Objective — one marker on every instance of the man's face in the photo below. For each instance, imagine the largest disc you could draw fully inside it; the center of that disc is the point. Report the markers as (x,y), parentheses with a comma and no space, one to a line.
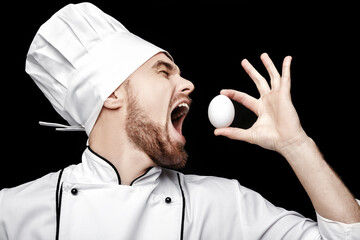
(158,102)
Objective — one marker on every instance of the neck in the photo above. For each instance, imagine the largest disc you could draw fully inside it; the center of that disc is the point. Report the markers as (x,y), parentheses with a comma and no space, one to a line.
(129,162)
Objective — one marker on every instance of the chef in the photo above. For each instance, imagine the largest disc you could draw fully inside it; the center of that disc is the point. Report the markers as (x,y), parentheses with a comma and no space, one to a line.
(130,99)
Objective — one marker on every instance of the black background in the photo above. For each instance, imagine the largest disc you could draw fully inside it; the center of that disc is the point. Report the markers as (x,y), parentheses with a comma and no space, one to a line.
(208,40)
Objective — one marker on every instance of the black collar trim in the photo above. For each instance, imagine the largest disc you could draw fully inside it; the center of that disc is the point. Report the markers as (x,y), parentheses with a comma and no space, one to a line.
(117,173)
(141,175)
(107,161)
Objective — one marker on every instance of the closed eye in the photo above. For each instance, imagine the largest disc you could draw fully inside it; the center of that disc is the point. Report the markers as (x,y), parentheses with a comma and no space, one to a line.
(165,68)
(165,73)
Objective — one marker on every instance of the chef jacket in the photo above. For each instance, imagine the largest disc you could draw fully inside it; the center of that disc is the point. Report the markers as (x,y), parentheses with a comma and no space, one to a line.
(87,201)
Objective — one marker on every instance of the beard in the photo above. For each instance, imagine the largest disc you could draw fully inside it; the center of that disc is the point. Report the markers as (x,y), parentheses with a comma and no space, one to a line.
(150,137)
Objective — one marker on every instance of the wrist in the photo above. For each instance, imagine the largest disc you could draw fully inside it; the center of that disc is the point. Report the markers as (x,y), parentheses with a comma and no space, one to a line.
(296,145)
(303,153)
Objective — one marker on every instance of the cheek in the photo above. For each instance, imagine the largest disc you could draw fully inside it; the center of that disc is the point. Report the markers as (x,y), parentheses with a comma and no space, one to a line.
(156,99)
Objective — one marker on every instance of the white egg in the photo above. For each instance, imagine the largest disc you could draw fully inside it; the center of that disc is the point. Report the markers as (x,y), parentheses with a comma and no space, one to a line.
(221,111)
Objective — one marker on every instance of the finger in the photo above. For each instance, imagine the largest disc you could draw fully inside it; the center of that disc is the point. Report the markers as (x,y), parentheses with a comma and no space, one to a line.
(286,79)
(270,67)
(246,100)
(260,82)
(234,133)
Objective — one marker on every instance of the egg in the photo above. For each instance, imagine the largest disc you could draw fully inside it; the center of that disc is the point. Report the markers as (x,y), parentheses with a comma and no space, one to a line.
(221,111)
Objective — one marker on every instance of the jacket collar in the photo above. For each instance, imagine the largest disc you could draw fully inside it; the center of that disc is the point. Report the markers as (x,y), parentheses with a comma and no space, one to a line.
(94,169)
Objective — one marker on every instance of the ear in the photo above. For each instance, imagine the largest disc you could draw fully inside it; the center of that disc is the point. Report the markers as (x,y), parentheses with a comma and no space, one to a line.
(115,100)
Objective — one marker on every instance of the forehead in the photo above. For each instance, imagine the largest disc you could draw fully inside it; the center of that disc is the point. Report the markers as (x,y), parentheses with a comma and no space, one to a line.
(161,59)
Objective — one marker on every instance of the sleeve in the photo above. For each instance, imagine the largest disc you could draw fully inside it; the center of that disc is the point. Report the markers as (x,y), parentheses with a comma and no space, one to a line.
(3,234)
(336,230)
(262,220)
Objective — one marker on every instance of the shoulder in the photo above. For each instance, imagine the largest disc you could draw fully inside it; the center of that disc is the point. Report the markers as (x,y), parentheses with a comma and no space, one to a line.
(216,188)
(31,189)
(28,206)
(29,197)
(36,187)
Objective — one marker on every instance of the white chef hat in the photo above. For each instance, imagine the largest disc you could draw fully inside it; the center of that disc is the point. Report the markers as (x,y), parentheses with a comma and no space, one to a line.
(79,57)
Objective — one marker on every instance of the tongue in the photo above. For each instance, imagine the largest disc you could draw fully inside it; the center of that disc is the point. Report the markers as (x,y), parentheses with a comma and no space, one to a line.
(177,125)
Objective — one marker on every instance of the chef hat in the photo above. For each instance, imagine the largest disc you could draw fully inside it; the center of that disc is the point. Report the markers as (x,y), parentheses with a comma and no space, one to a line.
(79,57)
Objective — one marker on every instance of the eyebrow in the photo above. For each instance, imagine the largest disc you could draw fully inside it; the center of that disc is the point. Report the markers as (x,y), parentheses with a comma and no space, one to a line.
(169,66)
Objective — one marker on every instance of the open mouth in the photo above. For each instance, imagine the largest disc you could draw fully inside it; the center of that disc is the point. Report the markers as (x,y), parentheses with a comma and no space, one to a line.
(178,115)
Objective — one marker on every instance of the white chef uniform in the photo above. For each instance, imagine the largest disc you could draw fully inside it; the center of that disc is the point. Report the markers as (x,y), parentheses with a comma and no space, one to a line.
(87,201)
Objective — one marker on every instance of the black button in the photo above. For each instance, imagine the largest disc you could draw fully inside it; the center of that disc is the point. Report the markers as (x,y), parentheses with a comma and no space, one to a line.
(74,191)
(168,199)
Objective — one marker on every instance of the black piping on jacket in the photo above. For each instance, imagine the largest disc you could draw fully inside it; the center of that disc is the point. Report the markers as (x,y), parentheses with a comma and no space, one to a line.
(58,198)
(183,209)
(107,161)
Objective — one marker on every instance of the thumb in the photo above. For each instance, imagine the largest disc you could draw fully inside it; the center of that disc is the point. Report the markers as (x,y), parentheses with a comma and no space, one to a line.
(234,133)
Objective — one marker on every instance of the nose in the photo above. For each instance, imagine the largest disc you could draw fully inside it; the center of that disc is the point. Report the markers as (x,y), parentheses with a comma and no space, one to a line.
(186,86)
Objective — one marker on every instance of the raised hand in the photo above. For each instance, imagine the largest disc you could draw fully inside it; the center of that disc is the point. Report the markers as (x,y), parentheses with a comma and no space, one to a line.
(278,126)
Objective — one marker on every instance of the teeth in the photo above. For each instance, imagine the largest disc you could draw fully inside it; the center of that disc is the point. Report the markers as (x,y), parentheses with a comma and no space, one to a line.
(178,112)
(183,105)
